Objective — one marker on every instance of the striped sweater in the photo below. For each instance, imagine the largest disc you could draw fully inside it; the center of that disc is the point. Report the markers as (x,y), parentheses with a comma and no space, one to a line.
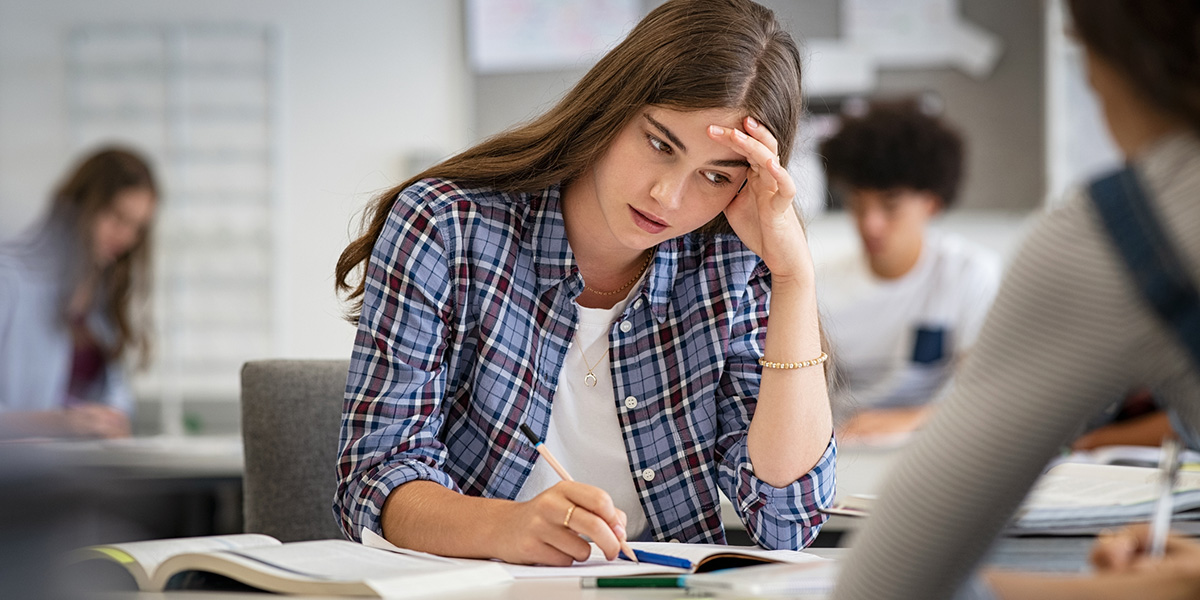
(1069,334)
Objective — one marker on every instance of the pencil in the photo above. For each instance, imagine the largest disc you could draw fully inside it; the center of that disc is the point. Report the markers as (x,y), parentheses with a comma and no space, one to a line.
(558,468)
(1168,465)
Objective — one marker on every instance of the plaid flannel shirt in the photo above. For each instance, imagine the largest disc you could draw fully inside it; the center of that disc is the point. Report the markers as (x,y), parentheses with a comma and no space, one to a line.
(468,312)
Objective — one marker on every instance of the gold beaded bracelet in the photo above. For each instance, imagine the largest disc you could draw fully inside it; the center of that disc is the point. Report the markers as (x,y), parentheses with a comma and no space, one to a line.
(793,365)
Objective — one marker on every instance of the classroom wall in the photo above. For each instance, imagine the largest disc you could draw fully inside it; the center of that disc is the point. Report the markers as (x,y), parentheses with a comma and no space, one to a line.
(1000,116)
(366,84)
(373,88)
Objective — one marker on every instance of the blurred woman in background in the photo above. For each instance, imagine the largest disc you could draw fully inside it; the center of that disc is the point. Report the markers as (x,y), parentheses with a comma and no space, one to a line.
(72,297)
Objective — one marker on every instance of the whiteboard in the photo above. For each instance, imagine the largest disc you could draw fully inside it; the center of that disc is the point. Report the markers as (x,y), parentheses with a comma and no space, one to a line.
(505,36)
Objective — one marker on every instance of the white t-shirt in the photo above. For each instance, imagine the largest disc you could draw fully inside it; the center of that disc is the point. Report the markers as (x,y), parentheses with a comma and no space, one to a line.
(584,433)
(896,340)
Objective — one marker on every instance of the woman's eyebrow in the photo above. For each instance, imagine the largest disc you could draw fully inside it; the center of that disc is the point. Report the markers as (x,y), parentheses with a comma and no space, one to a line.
(666,132)
(732,162)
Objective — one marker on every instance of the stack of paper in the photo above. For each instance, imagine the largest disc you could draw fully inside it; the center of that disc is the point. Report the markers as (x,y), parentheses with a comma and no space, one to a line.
(1080,495)
(1080,499)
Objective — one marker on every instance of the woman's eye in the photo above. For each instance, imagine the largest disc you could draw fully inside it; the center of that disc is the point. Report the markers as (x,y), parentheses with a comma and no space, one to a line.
(716,178)
(658,144)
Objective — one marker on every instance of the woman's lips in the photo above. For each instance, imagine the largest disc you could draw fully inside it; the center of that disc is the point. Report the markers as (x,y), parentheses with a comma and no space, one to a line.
(646,222)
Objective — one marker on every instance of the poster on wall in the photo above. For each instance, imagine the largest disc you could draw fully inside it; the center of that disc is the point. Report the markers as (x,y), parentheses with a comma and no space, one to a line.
(506,36)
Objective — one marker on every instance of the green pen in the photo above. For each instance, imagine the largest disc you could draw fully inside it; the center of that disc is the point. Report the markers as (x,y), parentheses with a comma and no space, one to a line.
(672,581)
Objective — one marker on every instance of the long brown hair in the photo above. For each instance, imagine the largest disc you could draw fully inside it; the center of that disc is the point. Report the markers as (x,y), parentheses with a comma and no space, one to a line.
(684,55)
(1155,44)
(124,285)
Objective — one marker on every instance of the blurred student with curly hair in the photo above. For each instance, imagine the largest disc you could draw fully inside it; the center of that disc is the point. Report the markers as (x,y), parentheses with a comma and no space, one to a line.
(901,312)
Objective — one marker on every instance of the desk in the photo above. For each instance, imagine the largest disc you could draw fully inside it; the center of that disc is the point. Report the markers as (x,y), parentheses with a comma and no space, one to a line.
(1059,555)
(861,469)
(155,457)
(156,487)
(523,589)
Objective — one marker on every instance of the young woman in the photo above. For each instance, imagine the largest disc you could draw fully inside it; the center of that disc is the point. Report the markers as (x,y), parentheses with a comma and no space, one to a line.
(1071,330)
(615,259)
(71,303)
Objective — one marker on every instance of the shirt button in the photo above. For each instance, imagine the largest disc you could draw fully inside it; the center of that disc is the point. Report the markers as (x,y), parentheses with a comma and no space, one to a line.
(637,303)
(674,540)
(630,402)
(626,326)
(648,474)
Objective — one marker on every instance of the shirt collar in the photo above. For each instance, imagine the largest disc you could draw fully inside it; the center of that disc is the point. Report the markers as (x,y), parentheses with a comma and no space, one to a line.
(546,238)
(554,262)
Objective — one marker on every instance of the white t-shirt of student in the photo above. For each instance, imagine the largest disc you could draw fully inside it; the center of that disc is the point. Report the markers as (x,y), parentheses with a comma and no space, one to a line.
(896,340)
(584,434)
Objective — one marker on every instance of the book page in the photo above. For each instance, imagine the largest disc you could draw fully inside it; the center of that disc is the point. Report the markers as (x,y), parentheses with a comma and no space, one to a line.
(334,567)
(697,552)
(150,554)
(595,566)
(338,560)
(598,566)
(790,579)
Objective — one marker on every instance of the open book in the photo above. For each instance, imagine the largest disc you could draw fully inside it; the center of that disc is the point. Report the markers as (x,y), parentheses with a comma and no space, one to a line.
(1081,498)
(322,567)
(704,558)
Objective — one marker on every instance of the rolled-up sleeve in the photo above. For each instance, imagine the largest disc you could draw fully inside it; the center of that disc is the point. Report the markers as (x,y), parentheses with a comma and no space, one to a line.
(779,518)
(393,409)
(775,517)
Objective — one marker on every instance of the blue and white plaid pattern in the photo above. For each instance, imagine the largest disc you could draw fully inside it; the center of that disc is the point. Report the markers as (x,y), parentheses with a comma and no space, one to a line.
(468,312)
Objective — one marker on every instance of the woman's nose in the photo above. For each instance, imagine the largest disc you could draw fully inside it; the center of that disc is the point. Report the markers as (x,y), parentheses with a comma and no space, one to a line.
(668,190)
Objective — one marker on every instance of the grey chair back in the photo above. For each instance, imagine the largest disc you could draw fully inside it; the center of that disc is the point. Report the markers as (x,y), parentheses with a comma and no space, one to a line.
(291,416)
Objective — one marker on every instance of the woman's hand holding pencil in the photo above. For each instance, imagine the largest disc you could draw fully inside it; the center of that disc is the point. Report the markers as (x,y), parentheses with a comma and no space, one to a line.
(546,536)
(561,515)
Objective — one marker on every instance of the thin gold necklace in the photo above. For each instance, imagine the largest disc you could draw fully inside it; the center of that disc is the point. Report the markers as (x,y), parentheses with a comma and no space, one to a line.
(645,265)
(590,379)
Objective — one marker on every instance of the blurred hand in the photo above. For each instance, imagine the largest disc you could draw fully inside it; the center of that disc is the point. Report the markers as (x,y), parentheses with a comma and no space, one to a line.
(539,531)
(1128,550)
(94,420)
(883,421)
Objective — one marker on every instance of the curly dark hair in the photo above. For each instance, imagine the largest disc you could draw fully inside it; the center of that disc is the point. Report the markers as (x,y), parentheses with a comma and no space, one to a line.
(896,145)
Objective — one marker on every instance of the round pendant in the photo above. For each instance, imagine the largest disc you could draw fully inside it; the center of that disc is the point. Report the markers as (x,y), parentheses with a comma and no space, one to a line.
(589,380)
